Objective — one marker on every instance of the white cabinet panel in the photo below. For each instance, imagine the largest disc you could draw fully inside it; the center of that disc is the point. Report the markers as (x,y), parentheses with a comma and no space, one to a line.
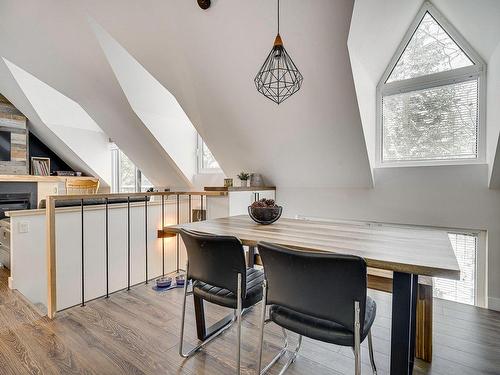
(239,202)
(235,203)
(50,188)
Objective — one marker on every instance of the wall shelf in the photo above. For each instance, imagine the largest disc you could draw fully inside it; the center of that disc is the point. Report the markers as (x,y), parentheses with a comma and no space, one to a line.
(32,178)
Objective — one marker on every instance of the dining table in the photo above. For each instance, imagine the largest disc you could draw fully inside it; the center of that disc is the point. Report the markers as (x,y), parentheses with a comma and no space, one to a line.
(407,251)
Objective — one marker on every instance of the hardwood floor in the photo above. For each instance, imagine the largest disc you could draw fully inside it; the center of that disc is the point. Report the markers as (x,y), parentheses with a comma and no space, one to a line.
(136,332)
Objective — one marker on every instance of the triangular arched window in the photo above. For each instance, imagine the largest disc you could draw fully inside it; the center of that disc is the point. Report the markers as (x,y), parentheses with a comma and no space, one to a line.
(430,97)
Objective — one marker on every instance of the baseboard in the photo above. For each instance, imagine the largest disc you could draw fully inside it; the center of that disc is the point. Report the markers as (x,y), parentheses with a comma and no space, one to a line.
(494,303)
(11,282)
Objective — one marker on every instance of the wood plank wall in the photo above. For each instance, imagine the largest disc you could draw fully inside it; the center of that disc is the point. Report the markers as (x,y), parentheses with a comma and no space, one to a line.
(13,121)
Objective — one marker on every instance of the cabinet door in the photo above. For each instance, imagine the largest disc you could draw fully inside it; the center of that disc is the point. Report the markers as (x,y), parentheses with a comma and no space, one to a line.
(48,188)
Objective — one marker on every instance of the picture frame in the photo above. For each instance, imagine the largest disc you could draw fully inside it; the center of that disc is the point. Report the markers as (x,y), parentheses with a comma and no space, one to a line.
(40,166)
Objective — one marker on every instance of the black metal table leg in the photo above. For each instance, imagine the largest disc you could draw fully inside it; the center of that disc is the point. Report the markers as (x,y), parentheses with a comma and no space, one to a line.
(404,308)
(251,256)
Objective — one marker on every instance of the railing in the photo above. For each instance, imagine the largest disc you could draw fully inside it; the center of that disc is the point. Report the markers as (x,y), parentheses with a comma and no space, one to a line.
(51,234)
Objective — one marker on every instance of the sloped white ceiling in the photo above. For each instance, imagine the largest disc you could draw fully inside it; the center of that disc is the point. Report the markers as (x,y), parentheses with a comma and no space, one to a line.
(377,28)
(11,89)
(68,121)
(207,60)
(156,106)
(53,41)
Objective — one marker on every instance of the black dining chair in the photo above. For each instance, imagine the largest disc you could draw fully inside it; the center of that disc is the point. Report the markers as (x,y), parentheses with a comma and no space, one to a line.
(317,295)
(216,266)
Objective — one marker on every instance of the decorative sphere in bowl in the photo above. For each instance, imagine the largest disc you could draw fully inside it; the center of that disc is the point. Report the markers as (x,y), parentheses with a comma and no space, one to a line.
(265,211)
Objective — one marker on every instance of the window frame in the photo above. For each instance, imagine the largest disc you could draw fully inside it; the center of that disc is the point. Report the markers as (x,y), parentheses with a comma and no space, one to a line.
(469,73)
(201,169)
(481,273)
(116,160)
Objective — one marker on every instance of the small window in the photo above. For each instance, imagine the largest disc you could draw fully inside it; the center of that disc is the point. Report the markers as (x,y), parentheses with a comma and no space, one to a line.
(465,247)
(437,123)
(206,160)
(126,177)
(430,50)
(145,183)
(430,102)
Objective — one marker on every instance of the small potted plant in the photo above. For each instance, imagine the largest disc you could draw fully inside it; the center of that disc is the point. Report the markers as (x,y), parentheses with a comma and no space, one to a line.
(243,176)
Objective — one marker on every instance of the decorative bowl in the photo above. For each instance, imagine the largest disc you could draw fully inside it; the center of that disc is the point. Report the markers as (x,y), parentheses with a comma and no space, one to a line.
(265,215)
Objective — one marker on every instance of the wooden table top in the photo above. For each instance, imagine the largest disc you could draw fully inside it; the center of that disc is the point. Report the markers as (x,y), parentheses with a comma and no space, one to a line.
(396,248)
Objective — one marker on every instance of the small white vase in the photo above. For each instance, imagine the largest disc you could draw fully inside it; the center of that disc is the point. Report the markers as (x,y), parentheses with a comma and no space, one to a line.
(244,183)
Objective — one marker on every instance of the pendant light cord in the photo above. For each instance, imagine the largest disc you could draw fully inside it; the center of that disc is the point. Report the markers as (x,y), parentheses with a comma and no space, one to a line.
(278,17)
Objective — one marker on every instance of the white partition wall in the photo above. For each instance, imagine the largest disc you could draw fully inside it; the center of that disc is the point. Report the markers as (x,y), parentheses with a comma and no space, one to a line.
(28,261)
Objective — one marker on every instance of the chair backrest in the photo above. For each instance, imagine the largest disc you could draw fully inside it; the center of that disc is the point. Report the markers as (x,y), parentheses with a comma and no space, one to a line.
(81,186)
(318,284)
(215,260)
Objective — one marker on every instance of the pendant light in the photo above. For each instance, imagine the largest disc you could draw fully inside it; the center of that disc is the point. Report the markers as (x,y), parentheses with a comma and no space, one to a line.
(278,78)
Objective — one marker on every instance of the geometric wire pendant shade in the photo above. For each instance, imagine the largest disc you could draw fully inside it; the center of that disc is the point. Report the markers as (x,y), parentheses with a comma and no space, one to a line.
(278,78)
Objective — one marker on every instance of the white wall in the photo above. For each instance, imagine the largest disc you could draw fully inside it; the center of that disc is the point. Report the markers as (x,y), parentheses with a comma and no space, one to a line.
(446,196)
(201,180)
(493,118)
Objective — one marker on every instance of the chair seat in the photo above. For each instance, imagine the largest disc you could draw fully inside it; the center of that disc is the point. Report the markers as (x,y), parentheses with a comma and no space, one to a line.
(226,298)
(321,329)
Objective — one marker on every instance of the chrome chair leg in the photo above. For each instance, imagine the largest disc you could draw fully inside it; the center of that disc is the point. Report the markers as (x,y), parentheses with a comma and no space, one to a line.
(262,323)
(370,350)
(297,348)
(280,354)
(238,308)
(183,319)
(292,357)
(357,340)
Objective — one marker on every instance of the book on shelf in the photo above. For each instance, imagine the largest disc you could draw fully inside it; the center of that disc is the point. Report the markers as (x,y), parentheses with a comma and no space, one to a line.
(40,166)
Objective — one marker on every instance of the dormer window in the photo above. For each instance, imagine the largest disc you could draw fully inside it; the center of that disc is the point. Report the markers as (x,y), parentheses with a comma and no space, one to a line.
(430,98)
(206,160)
